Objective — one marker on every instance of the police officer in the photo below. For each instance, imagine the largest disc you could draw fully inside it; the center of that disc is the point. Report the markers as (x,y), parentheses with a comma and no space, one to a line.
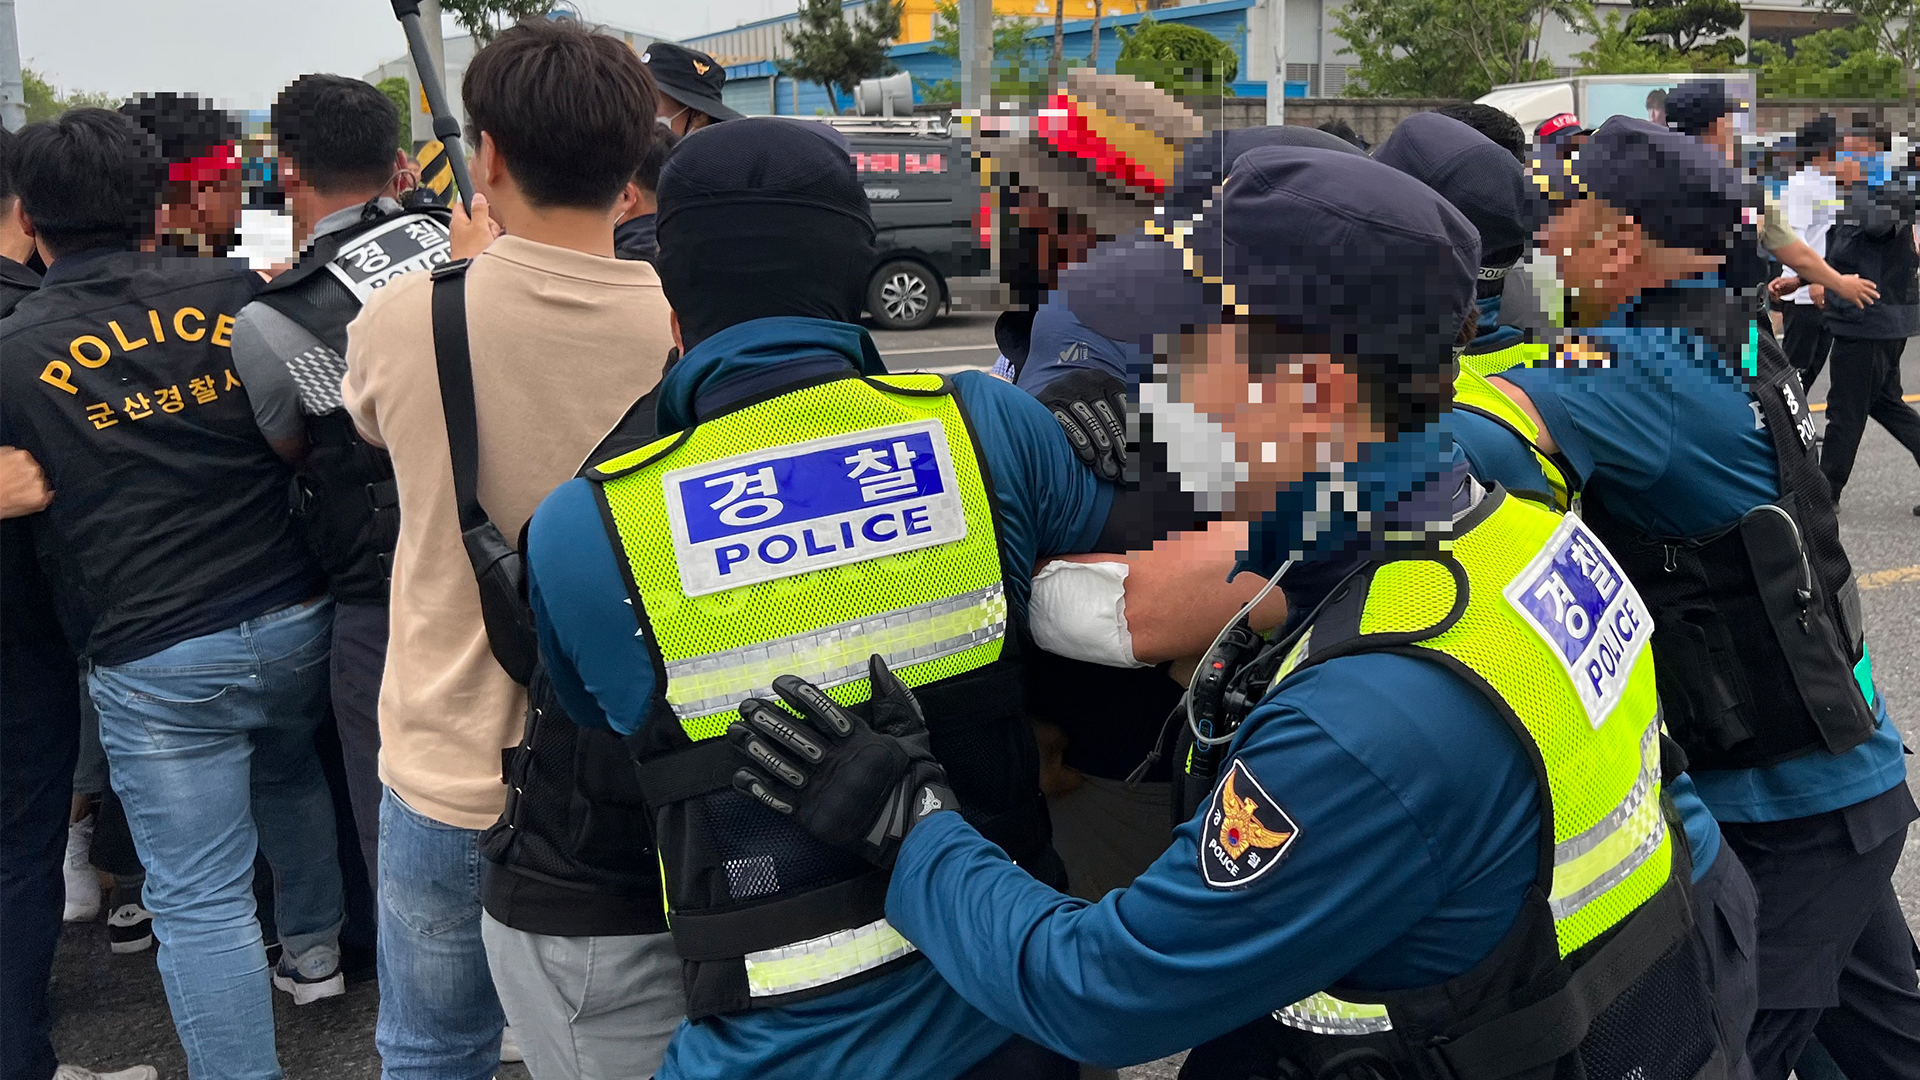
(1499,443)
(1694,448)
(169,528)
(1435,847)
(690,83)
(337,165)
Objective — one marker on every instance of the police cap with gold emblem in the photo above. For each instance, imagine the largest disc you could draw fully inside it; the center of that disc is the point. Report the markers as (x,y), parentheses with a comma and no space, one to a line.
(690,78)
(1681,191)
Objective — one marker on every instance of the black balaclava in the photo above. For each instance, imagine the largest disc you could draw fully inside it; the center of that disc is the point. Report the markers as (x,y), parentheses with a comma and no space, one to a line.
(762,217)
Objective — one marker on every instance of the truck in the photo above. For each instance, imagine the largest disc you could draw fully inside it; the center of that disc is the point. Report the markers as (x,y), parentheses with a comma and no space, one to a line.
(1595,99)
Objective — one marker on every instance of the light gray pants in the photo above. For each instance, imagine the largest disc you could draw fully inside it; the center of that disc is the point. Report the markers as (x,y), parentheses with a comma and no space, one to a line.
(587,1008)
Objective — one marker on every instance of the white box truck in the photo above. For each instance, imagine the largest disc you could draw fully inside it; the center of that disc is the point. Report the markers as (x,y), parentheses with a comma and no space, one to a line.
(1597,98)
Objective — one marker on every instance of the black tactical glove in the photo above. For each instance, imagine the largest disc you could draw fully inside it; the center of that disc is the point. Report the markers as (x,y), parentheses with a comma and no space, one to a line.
(1091,407)
(851,784)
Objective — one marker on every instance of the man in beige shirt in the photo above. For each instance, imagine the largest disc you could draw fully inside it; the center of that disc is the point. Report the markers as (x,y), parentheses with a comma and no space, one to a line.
(563,339)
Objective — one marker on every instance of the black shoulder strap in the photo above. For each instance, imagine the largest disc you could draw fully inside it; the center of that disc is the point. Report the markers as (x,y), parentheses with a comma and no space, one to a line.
(455,364)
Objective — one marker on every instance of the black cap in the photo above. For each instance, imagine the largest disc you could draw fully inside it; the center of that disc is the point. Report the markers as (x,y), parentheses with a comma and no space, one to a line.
(1209,159)
(1681,191)
(691,78)
(1692,107)
(1818,135)
(1474,173)
(1326,243)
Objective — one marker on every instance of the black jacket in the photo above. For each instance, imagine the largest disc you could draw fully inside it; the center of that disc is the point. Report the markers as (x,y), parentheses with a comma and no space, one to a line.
(1873,237)
(16,283)
(635,240)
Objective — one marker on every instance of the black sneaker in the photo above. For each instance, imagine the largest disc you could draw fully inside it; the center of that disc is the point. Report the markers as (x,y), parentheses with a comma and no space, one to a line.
(130,929)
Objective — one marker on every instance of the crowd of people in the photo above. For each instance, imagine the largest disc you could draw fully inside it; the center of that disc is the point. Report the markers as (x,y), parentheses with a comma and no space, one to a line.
(1382,617)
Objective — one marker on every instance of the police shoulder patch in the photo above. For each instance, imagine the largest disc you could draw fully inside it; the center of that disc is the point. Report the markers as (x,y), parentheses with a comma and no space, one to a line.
(1245,833)
(1580,352)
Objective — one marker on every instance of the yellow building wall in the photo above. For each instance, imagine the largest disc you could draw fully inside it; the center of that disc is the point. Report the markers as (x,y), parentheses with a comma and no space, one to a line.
(916,19)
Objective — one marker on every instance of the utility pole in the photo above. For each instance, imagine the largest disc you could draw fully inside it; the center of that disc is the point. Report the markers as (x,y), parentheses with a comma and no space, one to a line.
(437,51)
(976,54)
(13,90)
(1277,44)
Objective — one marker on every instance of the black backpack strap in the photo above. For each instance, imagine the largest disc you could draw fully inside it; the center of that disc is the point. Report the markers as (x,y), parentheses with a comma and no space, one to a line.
(455,363)
(498,566)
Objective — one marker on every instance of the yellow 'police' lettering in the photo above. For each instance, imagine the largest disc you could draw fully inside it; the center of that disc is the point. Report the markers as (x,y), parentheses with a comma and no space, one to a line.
(223,331)
(120,334)
(59,374)
(74,350)
(153,319)
(180,324)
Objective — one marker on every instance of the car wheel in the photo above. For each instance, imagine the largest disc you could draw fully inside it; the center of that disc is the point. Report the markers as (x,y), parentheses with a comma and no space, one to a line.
(903,295)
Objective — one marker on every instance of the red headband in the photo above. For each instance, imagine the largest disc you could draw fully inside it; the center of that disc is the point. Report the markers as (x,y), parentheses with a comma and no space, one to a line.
(1555,124)
(215,164)
(1062,126)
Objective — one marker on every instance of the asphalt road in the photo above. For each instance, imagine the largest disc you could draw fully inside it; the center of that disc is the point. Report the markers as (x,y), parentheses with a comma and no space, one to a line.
(112,1013)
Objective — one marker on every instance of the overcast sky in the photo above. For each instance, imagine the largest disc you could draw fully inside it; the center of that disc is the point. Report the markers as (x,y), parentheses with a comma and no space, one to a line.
(243,51)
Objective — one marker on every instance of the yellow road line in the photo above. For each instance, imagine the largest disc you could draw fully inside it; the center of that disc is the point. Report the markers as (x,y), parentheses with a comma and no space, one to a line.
(1821,406)
(1897,576)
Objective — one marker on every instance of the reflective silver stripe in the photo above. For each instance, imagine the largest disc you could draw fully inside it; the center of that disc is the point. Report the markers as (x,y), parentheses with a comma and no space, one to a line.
(804,965)
(1587,865)
(836,655)
(1324,1014)
(1575,846)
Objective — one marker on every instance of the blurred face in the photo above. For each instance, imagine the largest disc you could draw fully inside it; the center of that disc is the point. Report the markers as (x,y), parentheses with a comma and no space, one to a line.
(1594,247)
(204,214)
(1287,416)
(1061,237)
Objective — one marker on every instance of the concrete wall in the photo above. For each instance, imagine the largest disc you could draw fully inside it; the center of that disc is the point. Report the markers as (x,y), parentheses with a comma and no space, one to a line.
(1373,118)
(1787,114)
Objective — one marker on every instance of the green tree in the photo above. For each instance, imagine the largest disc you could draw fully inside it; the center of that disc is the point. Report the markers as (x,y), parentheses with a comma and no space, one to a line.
(1448,48)
(1016,70)
(1662,36)
(1689,25)
(1177,58)
(836,53)
(45,101)
(484,19)
(398,92)
(1896,31)
(1841,63)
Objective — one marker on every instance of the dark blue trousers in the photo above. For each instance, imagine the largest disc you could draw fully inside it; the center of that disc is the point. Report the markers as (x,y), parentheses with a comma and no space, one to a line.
(39,743)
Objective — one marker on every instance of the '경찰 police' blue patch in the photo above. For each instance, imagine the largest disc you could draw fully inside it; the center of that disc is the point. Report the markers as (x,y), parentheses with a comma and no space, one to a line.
(1245,833)
(1575,597)
(826,502)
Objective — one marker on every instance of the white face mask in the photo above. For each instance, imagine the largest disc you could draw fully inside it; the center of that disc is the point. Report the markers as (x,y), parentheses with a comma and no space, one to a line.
(667,121)
(1201,452)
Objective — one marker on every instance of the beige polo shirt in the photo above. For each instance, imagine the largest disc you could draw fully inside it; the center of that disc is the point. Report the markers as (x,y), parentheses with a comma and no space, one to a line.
(562,342)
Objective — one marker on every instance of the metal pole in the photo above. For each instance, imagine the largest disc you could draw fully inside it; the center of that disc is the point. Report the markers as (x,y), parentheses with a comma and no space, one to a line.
(976,54)
(446,127)
(421,116)
(13,91)
(1277,43)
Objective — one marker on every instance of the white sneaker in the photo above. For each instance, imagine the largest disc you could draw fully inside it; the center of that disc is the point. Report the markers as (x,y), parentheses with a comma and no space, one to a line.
(311,976)
(83,884)
(510,1051)
(75,1072)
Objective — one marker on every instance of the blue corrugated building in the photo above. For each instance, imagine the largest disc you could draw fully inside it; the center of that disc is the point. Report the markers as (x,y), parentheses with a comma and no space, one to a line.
(754,86)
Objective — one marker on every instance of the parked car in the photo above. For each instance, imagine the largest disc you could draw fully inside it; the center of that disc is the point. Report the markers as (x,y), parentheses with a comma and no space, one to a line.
(925,199)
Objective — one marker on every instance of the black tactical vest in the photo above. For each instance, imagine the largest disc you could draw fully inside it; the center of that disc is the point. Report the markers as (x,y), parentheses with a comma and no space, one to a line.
(1758,634)
(573,853)
(741,879)
(345,496)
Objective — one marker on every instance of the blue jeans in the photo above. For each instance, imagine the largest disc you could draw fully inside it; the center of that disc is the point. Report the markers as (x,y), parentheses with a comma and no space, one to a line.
(439,1016)
(211,747)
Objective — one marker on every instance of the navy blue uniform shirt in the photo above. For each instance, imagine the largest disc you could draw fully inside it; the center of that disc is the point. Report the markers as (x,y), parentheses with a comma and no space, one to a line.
(1416,819)
(909,1023)
(1671,441)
